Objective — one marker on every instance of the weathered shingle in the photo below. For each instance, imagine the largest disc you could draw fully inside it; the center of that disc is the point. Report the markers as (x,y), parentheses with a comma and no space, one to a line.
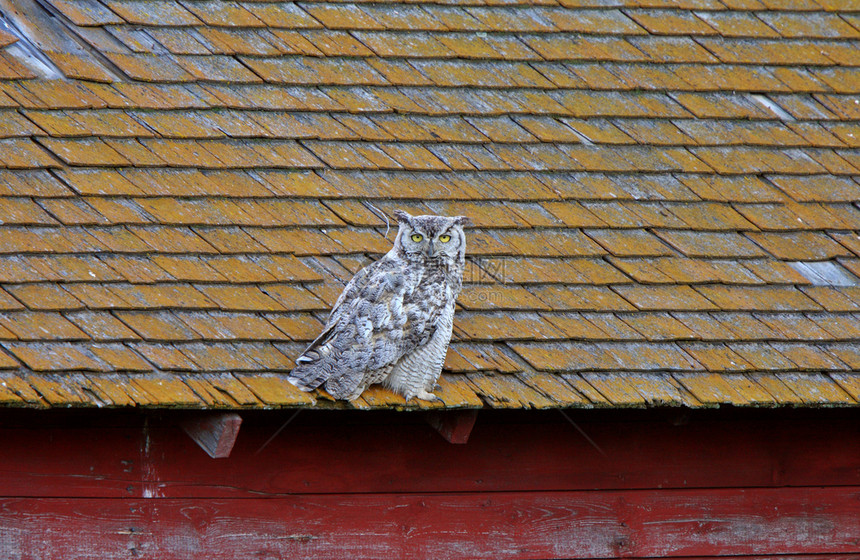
(666,197)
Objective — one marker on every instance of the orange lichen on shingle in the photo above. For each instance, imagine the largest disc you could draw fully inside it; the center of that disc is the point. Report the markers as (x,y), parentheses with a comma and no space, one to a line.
(167,390)
(807,357)
(480,357)
(499,296)
(710,244)
(627,243)
(834,298)
(7,38)
(157,326)
(575,326)
(42,296)
(23,153)
(817,389)
(664,297)
(507,391)
(275,390)
(31,325)
(800,246)
(56,357)
(496,327)
(120,357)
(758,298)
(717,357)
(658,326)
(715,389)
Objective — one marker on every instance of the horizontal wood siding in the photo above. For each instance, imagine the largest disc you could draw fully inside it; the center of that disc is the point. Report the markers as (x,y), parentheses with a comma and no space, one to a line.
(352,486)
(493,526)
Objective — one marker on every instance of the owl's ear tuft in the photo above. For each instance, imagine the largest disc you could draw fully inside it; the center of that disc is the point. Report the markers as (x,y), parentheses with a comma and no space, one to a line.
(464,221)
(402,217)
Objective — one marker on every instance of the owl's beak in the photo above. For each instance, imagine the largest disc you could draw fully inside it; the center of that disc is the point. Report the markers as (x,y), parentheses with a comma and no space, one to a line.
(431,250)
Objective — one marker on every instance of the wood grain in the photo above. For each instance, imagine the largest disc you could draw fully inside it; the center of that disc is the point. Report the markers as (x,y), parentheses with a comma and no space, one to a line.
(523,525)
(214,432)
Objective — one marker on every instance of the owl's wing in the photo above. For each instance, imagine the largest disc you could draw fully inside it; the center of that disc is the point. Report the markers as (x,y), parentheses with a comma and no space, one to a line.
(349,292)
(373,323)
(352,289)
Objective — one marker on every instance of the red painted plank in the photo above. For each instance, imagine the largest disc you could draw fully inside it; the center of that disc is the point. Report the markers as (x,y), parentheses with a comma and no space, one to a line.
(534,525)
(314,458)
(95,462)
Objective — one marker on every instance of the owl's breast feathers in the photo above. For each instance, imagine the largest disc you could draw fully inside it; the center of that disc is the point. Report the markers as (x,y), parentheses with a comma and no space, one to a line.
(387,310)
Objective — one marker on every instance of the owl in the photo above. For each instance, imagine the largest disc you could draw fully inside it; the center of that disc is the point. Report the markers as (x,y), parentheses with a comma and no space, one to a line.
(393,321)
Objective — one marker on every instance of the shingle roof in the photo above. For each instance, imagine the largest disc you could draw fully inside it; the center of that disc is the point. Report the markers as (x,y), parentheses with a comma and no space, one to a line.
(666,195)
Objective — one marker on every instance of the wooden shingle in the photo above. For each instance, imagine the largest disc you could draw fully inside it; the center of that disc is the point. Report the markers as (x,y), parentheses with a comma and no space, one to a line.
(648,183)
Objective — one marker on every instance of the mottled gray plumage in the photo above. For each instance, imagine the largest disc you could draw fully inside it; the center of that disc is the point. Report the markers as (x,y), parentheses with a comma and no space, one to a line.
(393,321)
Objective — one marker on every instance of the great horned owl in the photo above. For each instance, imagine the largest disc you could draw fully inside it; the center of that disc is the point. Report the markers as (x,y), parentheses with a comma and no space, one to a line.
(393,321)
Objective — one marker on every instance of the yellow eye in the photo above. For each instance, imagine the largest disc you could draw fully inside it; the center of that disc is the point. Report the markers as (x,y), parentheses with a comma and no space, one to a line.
(444,238)
(417,237)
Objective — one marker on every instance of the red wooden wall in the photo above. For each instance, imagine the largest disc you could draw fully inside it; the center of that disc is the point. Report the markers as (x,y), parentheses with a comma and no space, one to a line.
(107,484)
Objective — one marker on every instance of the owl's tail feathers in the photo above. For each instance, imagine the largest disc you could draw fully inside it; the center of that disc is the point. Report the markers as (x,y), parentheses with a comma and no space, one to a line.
(316,365)
(310,371)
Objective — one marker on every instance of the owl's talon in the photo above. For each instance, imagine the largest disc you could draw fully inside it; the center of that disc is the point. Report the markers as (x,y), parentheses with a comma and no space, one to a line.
(427,396)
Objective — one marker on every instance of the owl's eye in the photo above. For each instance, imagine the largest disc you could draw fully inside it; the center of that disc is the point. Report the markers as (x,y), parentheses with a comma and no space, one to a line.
(417,237)
(444,238)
